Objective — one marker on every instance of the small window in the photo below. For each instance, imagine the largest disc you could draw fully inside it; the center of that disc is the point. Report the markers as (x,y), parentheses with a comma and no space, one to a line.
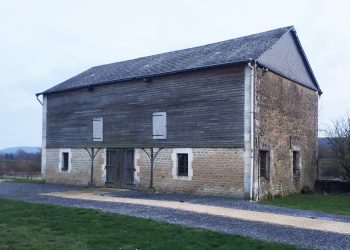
(182,159)
(97,126)
(296,165)
(159,125)
(182,164)
(65,161)
(264,161)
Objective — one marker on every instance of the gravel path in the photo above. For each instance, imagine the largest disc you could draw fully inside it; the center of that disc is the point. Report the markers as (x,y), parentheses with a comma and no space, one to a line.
(256,216)
(229,203)
(258,230)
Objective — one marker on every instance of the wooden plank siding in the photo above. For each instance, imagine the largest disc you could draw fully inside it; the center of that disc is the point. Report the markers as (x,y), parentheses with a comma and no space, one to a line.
(204,109)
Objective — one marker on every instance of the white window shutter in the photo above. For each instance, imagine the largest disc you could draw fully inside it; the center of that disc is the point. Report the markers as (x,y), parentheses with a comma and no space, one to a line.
(159,125)
(97,124)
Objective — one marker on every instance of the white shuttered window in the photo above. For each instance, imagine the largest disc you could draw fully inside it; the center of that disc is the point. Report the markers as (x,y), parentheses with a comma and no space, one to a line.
(97,126)
(159,125)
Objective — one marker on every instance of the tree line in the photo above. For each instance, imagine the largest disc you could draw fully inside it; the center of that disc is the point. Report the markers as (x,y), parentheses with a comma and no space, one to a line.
(20,163)
(21,155)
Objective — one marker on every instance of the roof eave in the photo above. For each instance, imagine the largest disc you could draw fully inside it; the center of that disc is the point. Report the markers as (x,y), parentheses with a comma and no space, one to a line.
(289,78)
(145,76)
(306,61)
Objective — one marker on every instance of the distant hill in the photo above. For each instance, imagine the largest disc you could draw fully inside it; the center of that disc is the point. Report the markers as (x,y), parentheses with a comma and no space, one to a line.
(324,148)
(14,150)
(323,141)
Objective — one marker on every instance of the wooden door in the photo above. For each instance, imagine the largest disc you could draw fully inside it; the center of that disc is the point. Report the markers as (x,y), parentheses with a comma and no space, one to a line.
(120,167)
(111,167)
(129,169)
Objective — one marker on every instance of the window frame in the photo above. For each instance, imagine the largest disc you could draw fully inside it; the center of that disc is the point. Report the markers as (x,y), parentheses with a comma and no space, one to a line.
(263,153)
(174,157)
(65,162)
(296,165)
(61,160)
(184,168)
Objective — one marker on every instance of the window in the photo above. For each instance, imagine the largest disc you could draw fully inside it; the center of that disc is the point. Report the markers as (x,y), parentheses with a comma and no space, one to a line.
(97,127)
(182,164)
(159,125)
(64,164)
(264,163)
(296,165)
(65,161)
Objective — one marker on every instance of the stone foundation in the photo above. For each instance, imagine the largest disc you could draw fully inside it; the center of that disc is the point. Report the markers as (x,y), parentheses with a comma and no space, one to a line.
(215,172)
(212,171)
(79,171)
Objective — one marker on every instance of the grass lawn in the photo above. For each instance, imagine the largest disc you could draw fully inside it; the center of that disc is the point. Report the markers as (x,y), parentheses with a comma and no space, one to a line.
(24,180)
(36,226)
(331,203)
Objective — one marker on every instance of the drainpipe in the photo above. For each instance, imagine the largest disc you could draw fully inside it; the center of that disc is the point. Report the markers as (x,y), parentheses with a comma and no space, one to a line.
(92,167)
(251,130)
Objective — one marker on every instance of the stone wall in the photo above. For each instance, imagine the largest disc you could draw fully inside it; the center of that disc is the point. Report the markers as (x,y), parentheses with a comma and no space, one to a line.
(211,171)
(79,172)
(285,120)
(217,171)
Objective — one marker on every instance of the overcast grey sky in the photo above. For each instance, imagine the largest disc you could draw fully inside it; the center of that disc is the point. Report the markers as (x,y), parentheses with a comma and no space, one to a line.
(45,42)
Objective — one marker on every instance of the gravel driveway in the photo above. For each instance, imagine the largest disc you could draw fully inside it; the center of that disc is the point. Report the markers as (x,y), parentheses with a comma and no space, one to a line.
(257,230)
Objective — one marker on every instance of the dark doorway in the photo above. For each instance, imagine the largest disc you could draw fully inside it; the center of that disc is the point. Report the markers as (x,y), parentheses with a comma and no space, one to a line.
(120,167)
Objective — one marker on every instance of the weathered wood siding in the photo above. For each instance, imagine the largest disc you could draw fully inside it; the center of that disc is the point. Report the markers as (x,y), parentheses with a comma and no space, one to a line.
(204,109)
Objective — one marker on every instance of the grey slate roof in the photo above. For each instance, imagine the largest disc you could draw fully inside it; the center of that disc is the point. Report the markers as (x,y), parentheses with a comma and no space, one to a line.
(232,51)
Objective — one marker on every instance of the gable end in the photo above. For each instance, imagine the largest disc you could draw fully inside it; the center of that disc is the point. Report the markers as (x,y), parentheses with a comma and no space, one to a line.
(287,58)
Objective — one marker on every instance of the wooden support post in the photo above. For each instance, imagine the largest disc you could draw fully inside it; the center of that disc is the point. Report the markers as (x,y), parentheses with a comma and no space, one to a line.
(152,161)
(151,158)
(92,159)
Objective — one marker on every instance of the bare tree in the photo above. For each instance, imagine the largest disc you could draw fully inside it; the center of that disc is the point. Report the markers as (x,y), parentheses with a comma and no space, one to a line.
(339,140)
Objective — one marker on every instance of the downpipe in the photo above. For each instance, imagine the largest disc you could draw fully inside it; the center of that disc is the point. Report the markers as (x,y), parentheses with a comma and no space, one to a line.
(251,194)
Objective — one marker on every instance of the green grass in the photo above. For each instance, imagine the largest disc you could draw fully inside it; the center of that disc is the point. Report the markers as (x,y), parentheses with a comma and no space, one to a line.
(24,180)
(331,203)
(37,226)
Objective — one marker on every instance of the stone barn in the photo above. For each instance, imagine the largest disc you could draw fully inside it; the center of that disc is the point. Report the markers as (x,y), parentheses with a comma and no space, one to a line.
(234,118)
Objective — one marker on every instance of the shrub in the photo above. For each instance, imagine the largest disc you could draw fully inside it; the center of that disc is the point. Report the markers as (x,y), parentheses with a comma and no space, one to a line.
(306,190)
